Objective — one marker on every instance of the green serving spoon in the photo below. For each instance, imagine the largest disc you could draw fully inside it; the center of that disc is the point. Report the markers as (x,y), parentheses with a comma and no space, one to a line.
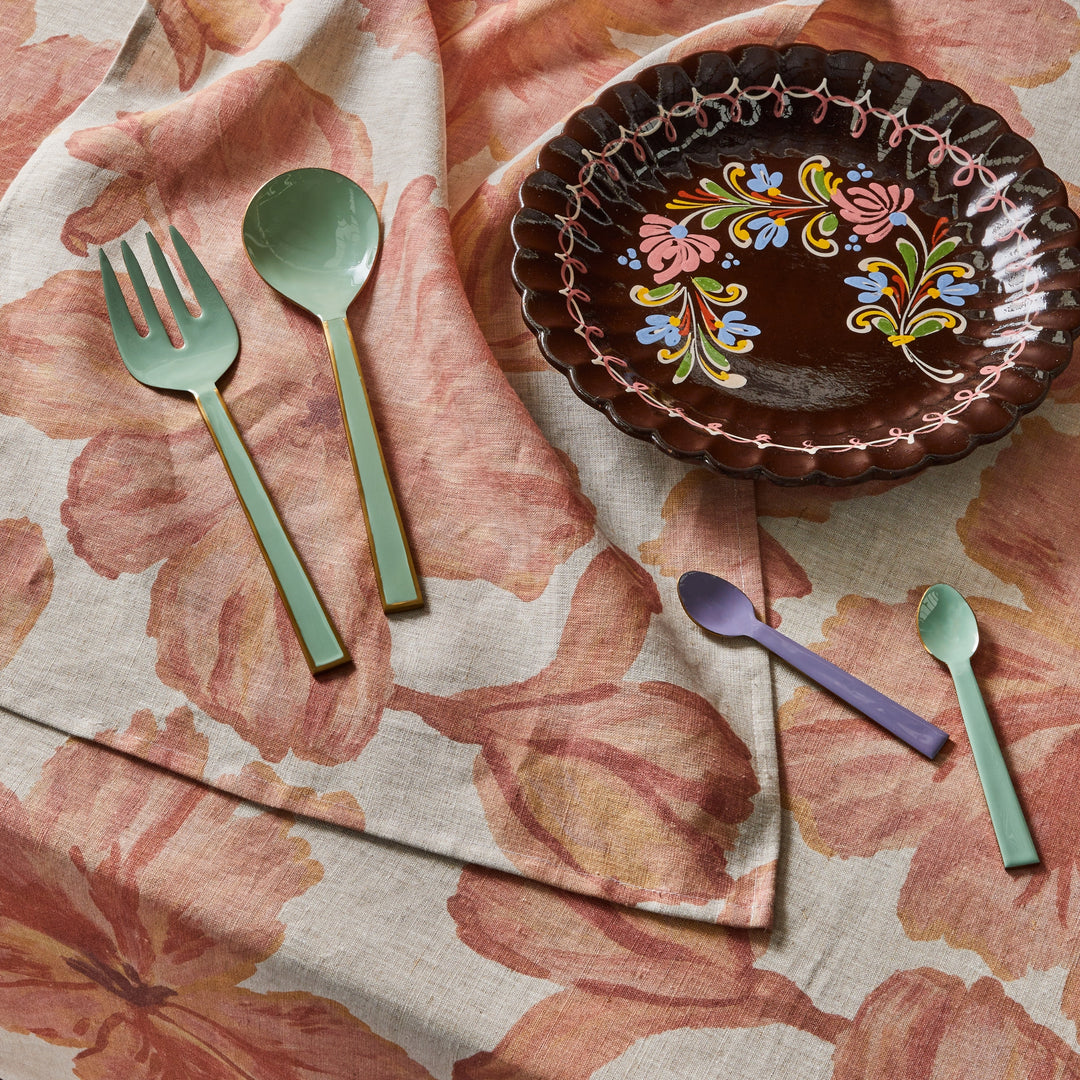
(313,235)
(950,633)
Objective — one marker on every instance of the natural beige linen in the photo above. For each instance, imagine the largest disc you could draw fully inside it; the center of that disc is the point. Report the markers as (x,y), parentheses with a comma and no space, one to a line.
(899,947)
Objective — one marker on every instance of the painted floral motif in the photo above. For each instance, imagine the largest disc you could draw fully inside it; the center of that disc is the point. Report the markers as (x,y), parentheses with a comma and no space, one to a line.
(698,334)
(233,26)
(901,299)
(242,129)
(629,790)
(759,205)
(756,213)
(924,1023)
(672,249)
(26,582)
(128,924)
(874,210)
(624,975)
(43,82)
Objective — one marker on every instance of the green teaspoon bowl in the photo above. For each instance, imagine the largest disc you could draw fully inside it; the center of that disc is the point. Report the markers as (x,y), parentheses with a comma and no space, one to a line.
(313,235)
(950,633)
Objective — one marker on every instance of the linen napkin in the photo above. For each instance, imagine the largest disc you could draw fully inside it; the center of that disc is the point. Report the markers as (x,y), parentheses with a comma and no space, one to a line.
(551,712)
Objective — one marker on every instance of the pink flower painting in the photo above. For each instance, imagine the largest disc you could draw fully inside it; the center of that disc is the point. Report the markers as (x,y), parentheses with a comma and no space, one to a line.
(672,249)
(128,925)
(623,789)
(874,210)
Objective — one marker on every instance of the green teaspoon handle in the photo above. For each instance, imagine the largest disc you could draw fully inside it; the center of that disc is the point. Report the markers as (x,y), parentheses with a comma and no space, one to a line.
(395,573)
(318,639)
(1010,827)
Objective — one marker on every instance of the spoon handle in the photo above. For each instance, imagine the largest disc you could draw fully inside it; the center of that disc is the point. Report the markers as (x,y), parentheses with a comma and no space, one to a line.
(395,573)
(321,645)
(918,733)
(1006,814)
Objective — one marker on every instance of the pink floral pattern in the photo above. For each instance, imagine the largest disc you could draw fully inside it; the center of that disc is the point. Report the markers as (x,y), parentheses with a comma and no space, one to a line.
(672,250)
(633,791)
(129,930)
(43,83)
(26,574)
(925,1023)
(874,210)
(229,26)
(148,488)
(243,130)
(128,924)
(624,975)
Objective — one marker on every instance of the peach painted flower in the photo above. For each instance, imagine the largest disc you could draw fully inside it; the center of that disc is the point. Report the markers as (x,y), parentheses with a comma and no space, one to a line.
(874,210)
(242,130)
(624,975)
(924,1023)
(672,249)
(629,790)
(128,924)
(26,582)
(230,26)
(43,82)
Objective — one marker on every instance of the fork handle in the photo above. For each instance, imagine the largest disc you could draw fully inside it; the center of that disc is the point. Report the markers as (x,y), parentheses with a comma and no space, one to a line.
(395,572)
(321,645)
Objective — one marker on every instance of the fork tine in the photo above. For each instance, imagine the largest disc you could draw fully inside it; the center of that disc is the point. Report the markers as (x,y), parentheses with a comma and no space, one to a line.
(123,327)
(204,289)
(142,291)
(183,317)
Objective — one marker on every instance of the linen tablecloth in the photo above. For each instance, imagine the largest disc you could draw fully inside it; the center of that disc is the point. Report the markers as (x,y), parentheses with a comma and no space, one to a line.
(539,828)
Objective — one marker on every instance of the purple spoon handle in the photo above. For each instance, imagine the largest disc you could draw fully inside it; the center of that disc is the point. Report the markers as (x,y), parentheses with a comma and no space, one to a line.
(918,733)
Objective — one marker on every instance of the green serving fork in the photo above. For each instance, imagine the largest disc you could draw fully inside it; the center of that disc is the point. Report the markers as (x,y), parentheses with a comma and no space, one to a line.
(210,345)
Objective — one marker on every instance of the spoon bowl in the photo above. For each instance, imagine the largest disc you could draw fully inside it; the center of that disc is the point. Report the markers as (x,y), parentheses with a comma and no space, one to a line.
(715,604)
(313,235)
(947,625)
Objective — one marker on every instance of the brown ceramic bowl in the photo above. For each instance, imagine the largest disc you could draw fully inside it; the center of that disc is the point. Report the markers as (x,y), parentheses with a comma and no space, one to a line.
(807,266)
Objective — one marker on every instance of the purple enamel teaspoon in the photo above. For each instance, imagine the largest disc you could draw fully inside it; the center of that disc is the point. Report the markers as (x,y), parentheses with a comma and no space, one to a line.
(719,607)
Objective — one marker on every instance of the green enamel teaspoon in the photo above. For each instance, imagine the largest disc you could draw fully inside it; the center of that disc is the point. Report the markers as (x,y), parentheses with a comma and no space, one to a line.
(950,633)
(313,235)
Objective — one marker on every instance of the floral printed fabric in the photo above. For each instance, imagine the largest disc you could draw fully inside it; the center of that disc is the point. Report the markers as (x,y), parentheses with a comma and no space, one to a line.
(499,845)
(534,716)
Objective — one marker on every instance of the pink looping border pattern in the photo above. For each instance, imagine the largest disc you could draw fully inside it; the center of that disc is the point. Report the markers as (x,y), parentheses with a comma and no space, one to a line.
(968,170)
